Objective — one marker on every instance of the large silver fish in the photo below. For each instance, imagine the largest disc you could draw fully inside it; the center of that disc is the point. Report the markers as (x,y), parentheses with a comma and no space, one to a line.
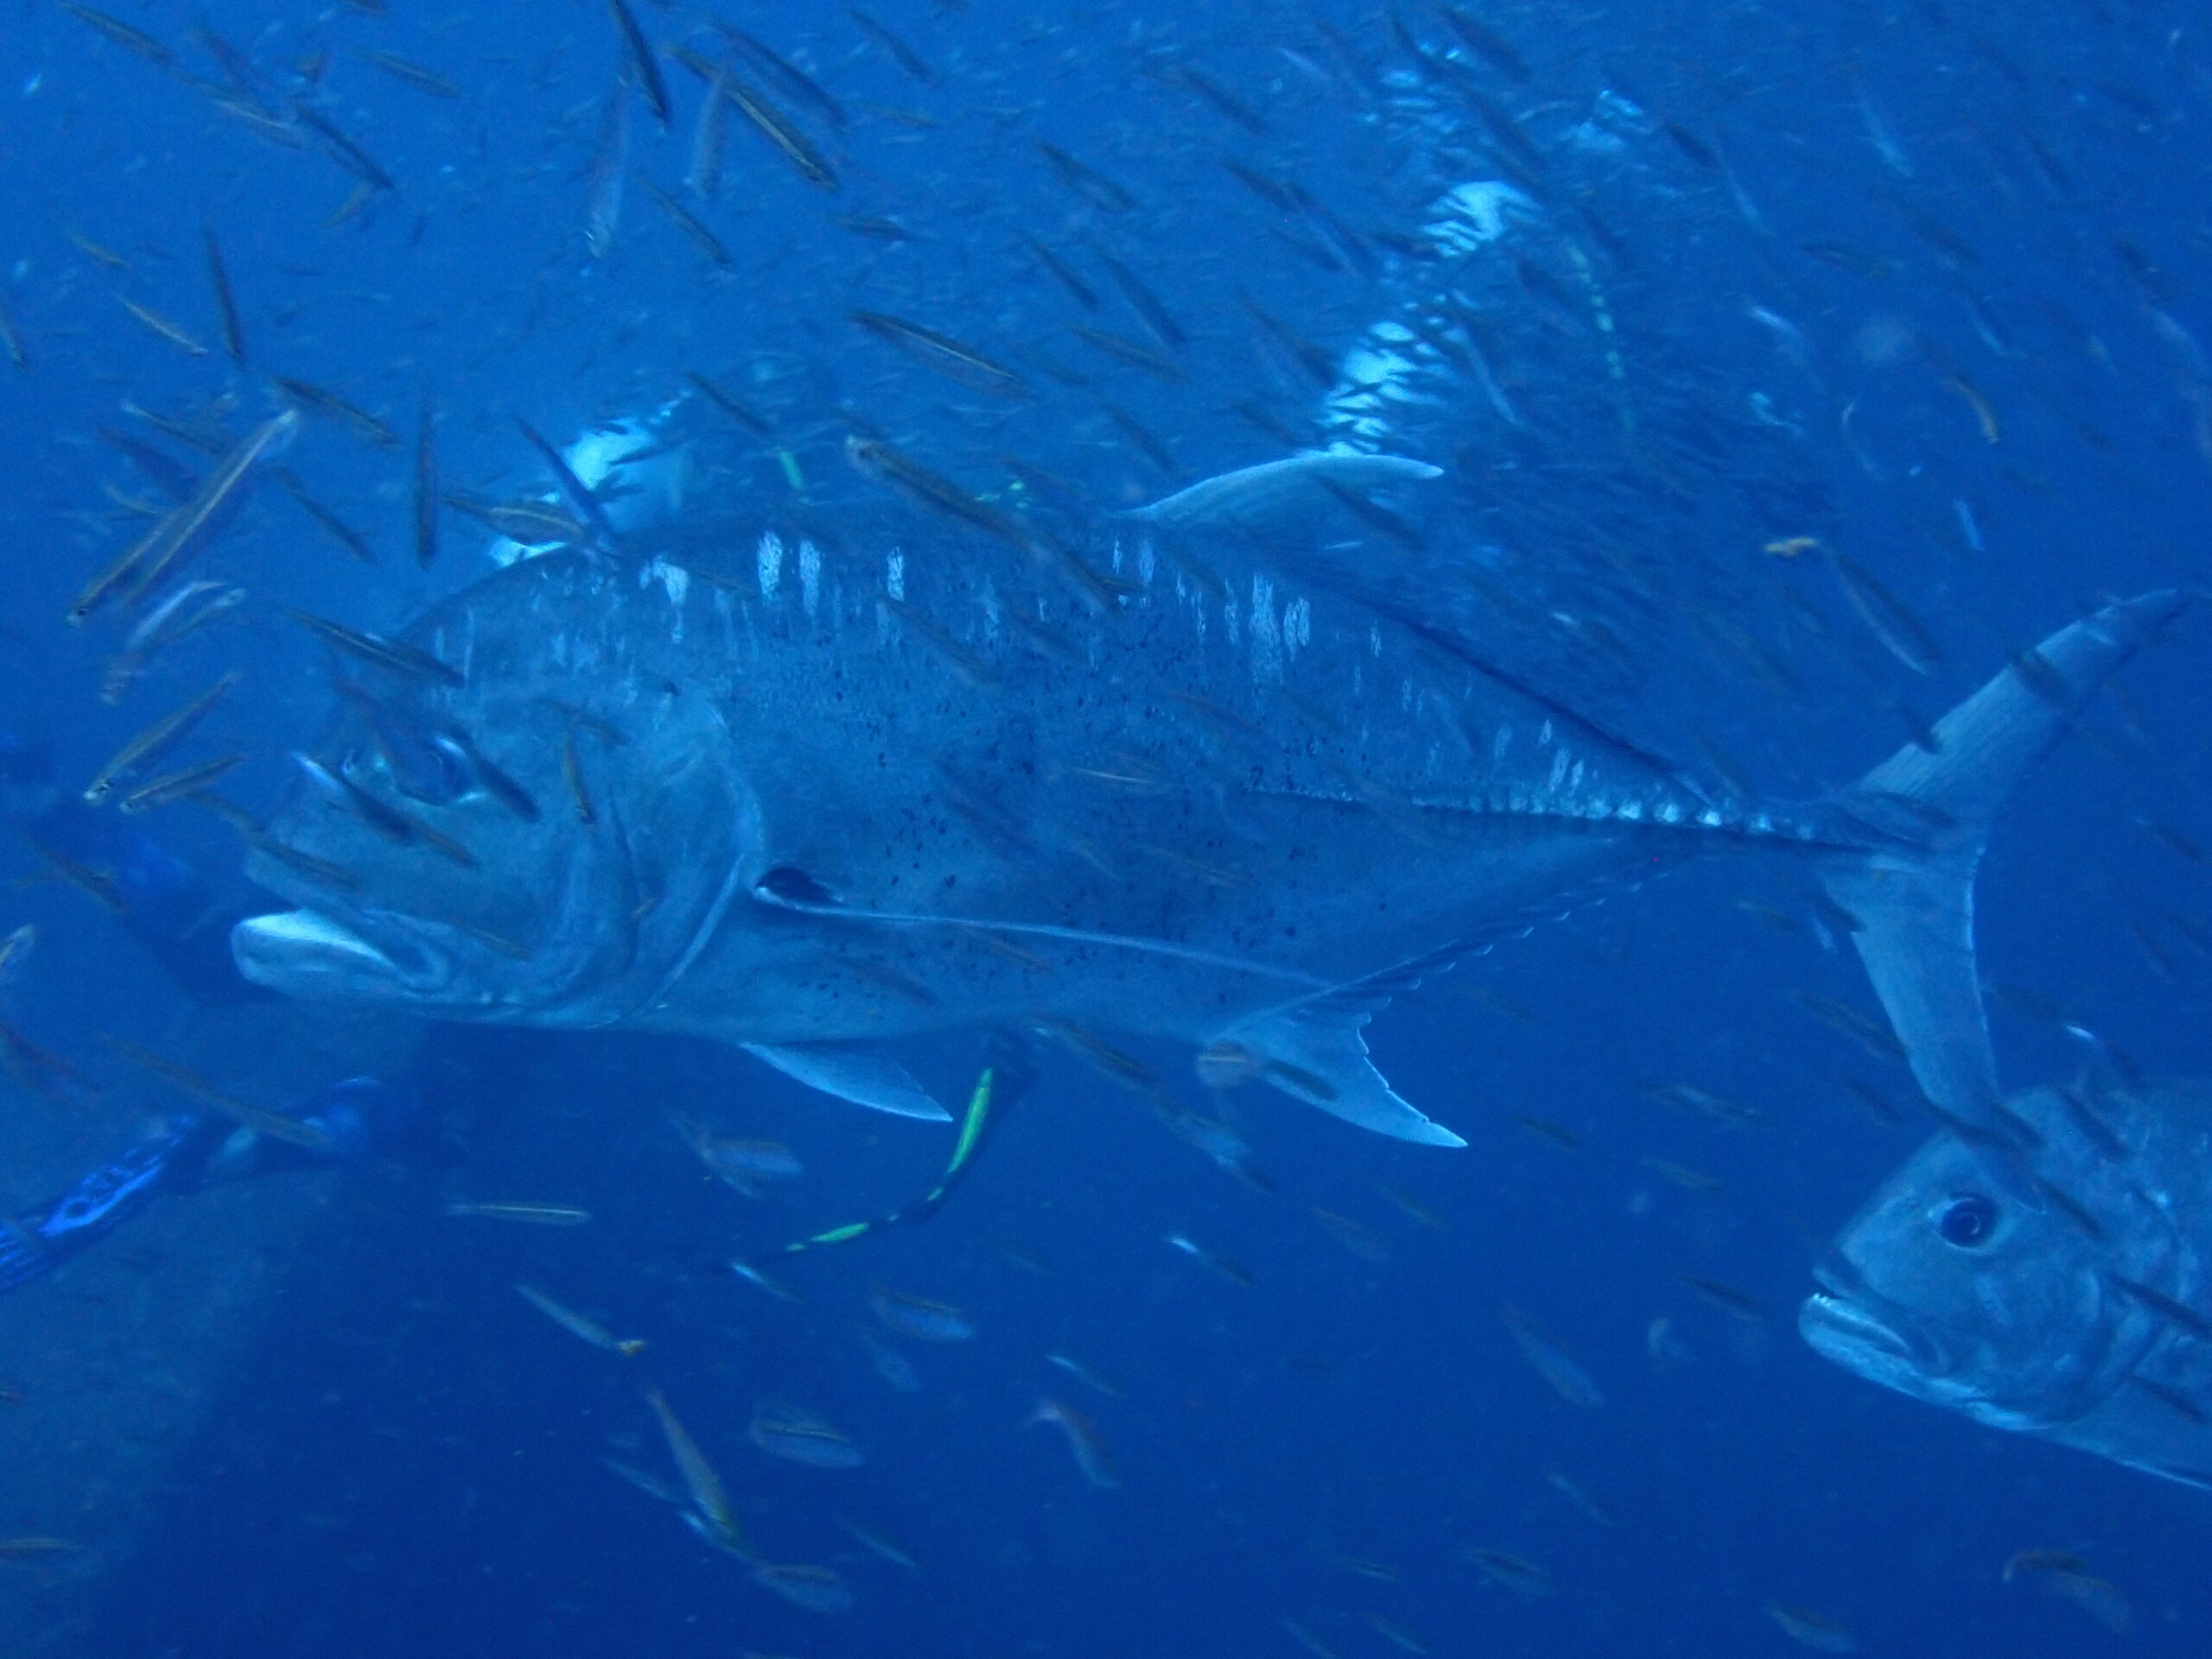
(808,802)
(2087,1321)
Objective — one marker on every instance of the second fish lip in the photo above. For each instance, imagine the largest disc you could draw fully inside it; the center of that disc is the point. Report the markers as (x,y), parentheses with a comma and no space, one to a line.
(1828,1321)
(312,940)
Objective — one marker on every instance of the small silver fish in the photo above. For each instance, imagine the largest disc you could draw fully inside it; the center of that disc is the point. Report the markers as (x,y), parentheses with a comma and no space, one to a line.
(920,1318)
(1084,1445)
(818,1589)
(576,1324)
(1569,1380)
(798,1435)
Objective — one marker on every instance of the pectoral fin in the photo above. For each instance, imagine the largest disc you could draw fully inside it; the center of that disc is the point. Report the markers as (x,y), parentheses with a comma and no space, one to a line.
(1316,1054)
(852,1074)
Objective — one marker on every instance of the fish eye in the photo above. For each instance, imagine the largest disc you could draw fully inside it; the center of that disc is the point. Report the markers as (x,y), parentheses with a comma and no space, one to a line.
(1968,1222)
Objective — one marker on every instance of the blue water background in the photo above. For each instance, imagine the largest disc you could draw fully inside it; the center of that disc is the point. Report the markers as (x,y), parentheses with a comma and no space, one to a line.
(412,1461)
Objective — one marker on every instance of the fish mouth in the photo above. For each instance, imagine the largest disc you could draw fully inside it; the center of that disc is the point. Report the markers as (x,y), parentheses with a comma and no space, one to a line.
(311,953)
(1844,1329)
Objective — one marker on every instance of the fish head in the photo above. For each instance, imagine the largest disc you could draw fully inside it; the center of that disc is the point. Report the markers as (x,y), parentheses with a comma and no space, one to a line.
(563,871)
(1945,1288)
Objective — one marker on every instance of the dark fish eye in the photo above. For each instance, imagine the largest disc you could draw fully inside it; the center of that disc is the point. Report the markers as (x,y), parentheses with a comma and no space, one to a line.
(1967,1223)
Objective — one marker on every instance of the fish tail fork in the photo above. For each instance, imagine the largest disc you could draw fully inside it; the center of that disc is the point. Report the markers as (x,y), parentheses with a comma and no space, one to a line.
(1920,821)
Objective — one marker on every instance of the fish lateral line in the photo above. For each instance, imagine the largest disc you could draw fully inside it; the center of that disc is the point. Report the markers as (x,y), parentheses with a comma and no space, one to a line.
(825,906)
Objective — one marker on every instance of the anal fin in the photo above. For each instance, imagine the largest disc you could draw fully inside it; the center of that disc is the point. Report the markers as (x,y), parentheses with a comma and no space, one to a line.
(1315,1052)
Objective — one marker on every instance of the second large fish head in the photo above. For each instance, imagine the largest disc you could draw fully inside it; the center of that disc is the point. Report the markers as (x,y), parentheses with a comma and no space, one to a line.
(548,842)
(2074,1320)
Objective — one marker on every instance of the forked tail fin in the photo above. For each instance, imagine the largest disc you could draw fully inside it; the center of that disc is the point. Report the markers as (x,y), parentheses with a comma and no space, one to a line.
(1925,818)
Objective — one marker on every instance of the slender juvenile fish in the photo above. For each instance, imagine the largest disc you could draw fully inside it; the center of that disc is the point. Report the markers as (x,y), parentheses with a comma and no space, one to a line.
(1145,303)
(572,774)
(341,532)
(30,1548)
(773,124)
(11,339)
(404,69)
(643,64)
(897,1554)
(1236,1272)
(1399,1636)
(91,250)
(16,951)
(729,406)
(795,81)
(577,1325)
(36,1070)
(383,817)
(275,1125)
(157,738)
(1517,1573)
(175,538)
(943,352)
(777,128)
(703,177)
(175,785)
(1088,1450)
(610,170)
(1084,1375)
(131,40)
(1569,1380)
(380,652)
(818,1589)
(1078,290)
(226,306)
(708,1496)
(343,150)
(162,325)
(1885,617)
(322,401)
(1984,414)
(1137,356)
(426,487)
(171,620)
(1092,186)
(1811,1630)
(1736,1304)
(909,60)
(539,1215)
(573,489)
(687,222)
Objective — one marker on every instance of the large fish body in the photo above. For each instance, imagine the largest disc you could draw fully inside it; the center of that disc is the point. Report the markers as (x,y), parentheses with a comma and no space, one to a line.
(2085,1320)
(806,801)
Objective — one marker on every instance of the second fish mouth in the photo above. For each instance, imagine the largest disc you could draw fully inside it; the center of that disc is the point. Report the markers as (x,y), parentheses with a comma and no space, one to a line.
(284,948)
(1830,1321)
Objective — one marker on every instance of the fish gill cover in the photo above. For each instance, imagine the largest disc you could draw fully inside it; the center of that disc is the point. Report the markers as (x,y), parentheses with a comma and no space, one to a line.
(664,570)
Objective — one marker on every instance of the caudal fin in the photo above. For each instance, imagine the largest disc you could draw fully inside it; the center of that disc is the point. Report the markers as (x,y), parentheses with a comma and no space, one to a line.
(1923,818)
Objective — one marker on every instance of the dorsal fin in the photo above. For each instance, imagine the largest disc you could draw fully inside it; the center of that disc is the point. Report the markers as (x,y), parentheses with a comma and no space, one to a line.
(1286,510)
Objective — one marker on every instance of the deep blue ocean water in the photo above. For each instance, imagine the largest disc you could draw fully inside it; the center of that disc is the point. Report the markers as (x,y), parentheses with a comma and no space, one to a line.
(1980,236)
